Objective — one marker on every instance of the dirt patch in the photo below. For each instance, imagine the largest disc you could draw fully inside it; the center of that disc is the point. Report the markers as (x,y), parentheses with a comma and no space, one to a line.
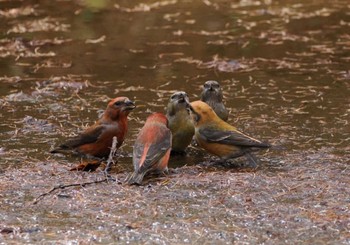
(292,203)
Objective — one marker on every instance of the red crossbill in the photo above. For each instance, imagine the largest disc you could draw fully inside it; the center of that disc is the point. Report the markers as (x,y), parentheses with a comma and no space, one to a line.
(151,149)
(220,138)
(97,140)
(180,122)
(212,95)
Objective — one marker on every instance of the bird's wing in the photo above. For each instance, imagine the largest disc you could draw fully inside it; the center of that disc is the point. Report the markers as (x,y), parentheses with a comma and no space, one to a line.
(91,135)
(149,154)
(231,138)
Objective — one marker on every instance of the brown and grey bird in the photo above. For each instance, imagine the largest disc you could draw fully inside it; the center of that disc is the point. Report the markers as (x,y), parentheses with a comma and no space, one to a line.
(180,122)
(220,138)
(212,95)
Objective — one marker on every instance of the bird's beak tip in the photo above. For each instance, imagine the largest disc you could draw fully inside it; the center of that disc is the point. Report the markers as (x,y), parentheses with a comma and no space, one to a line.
(189,107)
(130,105)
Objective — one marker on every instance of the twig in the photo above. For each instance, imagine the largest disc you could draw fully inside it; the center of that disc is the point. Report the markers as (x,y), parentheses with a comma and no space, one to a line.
(107,178)
(110,160)
(66,186)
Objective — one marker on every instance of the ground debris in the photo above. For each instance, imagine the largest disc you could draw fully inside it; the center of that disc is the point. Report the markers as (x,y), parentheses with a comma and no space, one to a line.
(19,47)
(16,12)
(7,230)
(36,25)
(88,165)
(143,7)
(193,198)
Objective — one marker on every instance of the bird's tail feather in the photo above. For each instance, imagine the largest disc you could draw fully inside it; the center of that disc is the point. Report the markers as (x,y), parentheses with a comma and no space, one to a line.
(278,147)
(253,161)
(264,145)
(61,149)
(58,150)
(135,178)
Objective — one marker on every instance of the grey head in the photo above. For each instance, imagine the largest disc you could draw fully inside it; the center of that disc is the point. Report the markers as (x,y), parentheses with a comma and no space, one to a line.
(178,101)
(180,98)
(211,91)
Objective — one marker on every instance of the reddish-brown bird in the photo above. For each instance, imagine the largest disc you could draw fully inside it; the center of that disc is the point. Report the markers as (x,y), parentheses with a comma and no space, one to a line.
(97,140)
(152,148)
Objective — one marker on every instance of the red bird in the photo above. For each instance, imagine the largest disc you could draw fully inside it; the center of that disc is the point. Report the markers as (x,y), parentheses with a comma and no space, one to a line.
(152,148)
(97,140)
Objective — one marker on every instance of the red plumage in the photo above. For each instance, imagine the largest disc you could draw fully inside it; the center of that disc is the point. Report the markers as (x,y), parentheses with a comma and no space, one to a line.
(152,148)
(97,139)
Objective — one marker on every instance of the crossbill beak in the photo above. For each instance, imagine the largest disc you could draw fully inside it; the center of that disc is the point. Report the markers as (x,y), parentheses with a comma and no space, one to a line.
(183,99)
(192,112)
(189,108)
(129,105)
(208,87)
(196,117)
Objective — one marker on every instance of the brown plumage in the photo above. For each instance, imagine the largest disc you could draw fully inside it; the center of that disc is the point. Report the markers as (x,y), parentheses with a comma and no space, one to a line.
(97,140)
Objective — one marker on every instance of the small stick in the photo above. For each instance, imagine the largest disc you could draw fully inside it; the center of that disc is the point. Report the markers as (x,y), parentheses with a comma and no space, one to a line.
(110,160)
(66,186)
(107,178)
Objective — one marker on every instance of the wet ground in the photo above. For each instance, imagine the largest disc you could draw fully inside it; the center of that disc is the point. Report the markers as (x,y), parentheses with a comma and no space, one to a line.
(285,70)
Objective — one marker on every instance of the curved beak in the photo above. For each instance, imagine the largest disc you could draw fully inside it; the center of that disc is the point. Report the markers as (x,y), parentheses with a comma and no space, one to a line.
(189,107)
(129,105)
(195,116)
(183,99)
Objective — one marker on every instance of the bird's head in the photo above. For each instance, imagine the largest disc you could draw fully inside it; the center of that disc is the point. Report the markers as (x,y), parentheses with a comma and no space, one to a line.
(178,101)
(201,113)
(211,91)
(120,106)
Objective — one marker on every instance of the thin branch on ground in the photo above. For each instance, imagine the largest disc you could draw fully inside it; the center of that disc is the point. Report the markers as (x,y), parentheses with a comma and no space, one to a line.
(110,160)
(107,178)
(61,187)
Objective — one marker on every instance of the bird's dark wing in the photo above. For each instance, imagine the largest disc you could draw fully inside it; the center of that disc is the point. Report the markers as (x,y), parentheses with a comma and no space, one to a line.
(153,152)
(89,136)
(231,138)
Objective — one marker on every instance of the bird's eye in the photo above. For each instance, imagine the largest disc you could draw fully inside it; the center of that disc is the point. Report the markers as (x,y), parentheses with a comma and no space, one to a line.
(173,96)
(206,85)
(118,103)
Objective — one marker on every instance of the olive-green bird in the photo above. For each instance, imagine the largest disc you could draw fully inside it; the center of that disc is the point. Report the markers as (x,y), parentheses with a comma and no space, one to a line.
(220,138)
(180,122)
(212,95)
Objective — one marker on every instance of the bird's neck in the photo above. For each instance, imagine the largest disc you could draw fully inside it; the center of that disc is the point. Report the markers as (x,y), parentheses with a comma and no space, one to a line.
(110,117)
(215,99)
